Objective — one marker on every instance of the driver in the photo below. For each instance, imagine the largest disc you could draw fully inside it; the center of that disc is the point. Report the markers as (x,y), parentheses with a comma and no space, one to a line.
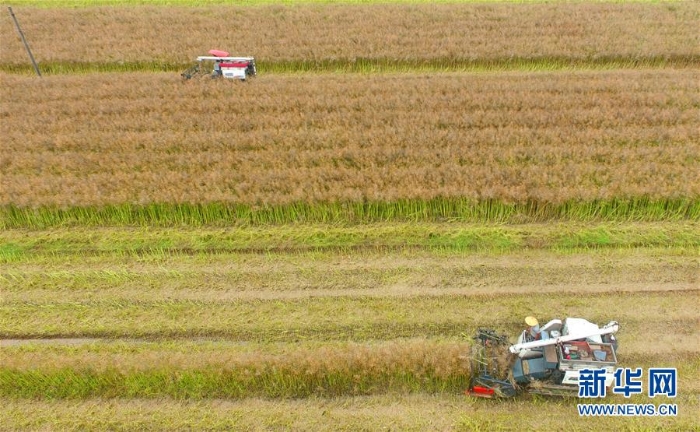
(533,328)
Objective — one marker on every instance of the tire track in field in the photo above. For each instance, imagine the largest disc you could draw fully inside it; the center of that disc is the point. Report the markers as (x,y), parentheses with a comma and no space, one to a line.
(121,294)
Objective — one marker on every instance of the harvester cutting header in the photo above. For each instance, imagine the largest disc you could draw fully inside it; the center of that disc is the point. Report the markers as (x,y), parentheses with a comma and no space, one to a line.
(545,360)
(222,66)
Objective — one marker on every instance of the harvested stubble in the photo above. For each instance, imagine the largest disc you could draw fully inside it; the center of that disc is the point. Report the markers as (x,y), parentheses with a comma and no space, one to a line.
(552,138)
(330,318)
(217,265)
(243,243)
(410,413)
(307,36)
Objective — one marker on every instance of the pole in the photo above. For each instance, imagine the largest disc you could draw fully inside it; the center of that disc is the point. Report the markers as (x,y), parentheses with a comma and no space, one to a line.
(24,41)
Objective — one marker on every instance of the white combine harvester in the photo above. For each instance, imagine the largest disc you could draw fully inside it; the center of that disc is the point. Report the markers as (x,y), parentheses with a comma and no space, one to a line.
(222,66)
(544,360)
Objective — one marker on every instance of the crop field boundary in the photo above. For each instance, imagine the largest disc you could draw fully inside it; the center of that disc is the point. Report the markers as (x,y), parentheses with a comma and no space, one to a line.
(89,3)
(382,65)
(445,209)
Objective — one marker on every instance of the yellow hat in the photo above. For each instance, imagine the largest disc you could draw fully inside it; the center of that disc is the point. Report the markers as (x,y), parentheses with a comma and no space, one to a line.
(531,321)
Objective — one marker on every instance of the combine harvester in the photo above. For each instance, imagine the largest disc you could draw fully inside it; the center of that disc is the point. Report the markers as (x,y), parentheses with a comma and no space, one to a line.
(544,360)
(223,66)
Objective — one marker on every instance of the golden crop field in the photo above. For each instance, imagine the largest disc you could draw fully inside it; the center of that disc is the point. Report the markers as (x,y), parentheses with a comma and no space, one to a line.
(314,249)
(443,33)
(548,137)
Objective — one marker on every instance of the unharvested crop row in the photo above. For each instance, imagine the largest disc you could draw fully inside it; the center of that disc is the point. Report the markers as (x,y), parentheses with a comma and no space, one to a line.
(392,368)
(414,210)
(355,369)
(444,33)
(551,138)
(443,355)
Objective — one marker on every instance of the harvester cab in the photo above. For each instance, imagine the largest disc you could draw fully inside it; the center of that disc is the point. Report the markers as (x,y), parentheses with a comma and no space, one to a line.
(544,360)
(222,65)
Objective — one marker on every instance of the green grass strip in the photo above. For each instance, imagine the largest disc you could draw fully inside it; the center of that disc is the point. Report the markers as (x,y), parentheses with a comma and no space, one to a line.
(380,65)
(439,209)
(80,243)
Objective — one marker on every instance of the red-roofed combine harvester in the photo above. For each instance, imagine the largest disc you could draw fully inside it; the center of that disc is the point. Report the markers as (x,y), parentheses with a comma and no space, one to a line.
(223,66)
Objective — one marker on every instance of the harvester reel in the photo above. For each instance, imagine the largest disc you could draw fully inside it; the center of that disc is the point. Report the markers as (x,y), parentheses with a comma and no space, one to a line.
(191,72)
(489,379)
